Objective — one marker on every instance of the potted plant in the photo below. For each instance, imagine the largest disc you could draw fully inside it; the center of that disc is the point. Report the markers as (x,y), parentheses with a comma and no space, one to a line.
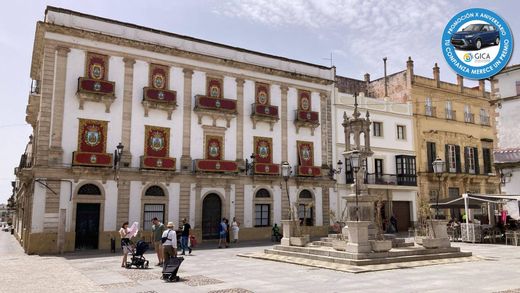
(380,244)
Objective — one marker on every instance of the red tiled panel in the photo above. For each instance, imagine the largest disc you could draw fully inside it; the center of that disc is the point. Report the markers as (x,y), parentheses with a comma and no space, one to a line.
(158,163)
(89,86)
(308,116)
(226,105)
(151,94)
(266,110)
(92,159)
(268,169)
(216,166)
(309,171)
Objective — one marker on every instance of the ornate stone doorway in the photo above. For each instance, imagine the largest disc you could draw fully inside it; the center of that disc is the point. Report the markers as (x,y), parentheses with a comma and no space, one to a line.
(87,226)
(211,216)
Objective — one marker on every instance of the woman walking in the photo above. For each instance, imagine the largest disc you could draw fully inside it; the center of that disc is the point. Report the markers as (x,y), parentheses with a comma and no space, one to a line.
(125,242)
(235,227)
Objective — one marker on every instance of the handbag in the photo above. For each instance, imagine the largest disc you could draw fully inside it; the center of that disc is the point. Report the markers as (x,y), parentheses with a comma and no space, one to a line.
(163,239)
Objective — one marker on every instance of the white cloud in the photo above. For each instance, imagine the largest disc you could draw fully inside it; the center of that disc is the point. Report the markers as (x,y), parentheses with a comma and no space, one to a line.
(367,30)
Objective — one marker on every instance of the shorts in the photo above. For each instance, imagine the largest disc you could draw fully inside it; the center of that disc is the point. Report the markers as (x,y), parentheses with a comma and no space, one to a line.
(223,235)
(157,245)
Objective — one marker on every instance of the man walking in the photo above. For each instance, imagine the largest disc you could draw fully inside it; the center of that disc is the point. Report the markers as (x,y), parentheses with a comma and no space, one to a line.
(169,238)
(185,236)
(157,231)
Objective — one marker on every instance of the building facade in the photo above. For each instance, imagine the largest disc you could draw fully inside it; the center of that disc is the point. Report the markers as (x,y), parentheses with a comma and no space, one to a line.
(203,128)
(452,122)
(506,98)
(390,172)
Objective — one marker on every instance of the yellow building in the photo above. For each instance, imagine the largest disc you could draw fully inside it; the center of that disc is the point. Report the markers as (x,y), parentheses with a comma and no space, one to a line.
(452,122)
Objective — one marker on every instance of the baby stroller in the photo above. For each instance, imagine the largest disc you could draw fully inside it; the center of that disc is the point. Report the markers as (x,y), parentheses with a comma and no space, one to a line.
(138,259)
(170,269)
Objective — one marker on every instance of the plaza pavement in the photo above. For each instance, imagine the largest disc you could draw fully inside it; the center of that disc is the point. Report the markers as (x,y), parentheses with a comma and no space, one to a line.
(497,269)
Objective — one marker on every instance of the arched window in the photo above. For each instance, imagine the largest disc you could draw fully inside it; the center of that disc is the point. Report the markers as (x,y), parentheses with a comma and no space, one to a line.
(306,208)
(154,191)
(262,193)
(305,194)
(89,189)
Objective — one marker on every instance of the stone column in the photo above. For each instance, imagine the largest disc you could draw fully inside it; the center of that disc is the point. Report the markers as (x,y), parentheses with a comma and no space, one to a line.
(56,150)
(126,128)
(42,131)
(239,202)
(186,163)
(240,121)
(184,201)
(283,117)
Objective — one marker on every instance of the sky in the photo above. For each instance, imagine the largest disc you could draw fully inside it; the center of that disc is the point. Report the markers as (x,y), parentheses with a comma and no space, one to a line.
(358,34)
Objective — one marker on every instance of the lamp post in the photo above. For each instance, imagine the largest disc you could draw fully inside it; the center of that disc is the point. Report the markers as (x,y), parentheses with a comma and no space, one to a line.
(354,157)
(250,167)
(286,173)
(117,160)
(438,169)
(333,171)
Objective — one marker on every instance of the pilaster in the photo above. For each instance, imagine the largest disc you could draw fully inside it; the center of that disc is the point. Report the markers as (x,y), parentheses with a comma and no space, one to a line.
(324,129)
(186,163)
(123,201)
(283,118)
(126,128)
(56,150)
(240,120)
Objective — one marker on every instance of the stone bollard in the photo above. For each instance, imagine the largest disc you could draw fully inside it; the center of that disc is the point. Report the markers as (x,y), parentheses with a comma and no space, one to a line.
(358,237)
(286,229)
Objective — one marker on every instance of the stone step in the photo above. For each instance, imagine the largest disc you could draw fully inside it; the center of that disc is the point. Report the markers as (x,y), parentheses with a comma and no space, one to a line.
(375,261)
(395,252)
(322,243)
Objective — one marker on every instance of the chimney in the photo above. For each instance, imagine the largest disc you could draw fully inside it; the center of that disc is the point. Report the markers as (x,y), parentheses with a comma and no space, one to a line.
(437,75)
(386,79)
(482,87)
(409,72)
(460,83)
(367,83)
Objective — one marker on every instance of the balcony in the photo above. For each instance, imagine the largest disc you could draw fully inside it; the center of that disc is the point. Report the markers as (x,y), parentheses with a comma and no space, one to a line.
(308,171)
(267,169)
(158,163)
(469,117)
(308,119)
(264,113)
(391,179)
(95,90)
(165,100)
(451,114)
(215,166)
(430,111)
(91,159)
(484,120)
(215,108)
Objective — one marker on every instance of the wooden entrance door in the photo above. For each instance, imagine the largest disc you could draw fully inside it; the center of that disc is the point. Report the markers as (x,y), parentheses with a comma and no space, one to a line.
(87,226)
(401,210)
(211,216)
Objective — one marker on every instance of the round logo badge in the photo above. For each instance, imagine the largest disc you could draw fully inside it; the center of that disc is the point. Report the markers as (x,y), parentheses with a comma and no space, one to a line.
(477,43)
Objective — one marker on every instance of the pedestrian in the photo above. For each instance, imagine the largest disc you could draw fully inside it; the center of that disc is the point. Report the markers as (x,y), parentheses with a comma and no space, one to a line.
(185,235)
(276,233)
(227,232)
(125,242)
(393,222)
(235,227)
(222,233)
(169,242)
(157,231)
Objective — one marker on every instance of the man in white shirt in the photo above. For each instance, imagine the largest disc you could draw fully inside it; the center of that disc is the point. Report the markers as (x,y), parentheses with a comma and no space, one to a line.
(169,238)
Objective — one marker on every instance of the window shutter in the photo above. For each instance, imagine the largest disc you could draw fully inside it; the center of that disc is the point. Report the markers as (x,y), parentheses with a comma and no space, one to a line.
(430,149)
(447,157)
(487,160)
(466,159)
(477,167)
(457,158)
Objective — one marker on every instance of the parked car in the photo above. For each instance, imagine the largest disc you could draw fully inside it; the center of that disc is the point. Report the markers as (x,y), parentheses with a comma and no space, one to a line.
(475,36)
(7,228)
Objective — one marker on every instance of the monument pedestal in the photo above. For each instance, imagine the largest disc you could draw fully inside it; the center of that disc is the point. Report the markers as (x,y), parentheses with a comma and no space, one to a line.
(286,229)
(358,237)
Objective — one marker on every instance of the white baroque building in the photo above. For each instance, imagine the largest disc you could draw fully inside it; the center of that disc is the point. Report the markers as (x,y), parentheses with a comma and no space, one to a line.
(204,128)
(506,94)
(390,172)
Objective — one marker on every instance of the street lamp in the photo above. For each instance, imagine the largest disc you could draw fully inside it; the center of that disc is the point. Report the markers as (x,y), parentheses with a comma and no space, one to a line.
(354,157)
(333,171)
(250,166)
(117,160)
(438,169)
(286,173)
